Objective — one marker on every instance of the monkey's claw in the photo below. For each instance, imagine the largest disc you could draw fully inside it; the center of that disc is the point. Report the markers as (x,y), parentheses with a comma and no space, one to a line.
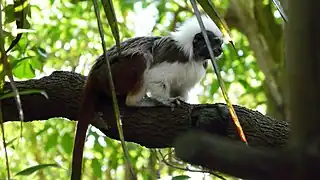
(175,102)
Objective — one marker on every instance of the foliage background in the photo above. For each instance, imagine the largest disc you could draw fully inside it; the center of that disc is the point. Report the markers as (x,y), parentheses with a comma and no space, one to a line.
(65,37)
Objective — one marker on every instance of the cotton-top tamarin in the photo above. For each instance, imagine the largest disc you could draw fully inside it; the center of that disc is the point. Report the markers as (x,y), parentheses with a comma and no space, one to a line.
(166,67)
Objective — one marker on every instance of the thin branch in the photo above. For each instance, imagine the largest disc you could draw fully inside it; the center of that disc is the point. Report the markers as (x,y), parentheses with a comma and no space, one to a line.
(186,168)
(217,72)
(280,9)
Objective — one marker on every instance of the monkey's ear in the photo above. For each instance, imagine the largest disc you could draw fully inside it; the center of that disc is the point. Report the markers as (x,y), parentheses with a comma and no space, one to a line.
(127,73)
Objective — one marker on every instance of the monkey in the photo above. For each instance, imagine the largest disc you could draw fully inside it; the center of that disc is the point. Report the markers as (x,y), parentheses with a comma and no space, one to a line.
(165,67)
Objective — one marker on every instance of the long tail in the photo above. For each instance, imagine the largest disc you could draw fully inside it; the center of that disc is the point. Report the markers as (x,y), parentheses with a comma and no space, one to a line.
(85,115)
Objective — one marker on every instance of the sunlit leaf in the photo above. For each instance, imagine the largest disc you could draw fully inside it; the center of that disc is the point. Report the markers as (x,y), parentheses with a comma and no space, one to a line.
(9,14)
(24,70)
(33,169)
(66,143)
(16,62)
(214,87)
(36,63)
(46,127)
(96,167)
(52,141)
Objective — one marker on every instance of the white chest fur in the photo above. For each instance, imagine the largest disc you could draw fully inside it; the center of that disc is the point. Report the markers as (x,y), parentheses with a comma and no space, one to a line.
(178,76)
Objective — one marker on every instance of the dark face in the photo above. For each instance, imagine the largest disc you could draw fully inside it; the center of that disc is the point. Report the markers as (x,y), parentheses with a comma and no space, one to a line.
(200,48)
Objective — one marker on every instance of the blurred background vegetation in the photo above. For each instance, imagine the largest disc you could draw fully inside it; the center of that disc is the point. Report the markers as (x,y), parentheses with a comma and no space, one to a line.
(64,36)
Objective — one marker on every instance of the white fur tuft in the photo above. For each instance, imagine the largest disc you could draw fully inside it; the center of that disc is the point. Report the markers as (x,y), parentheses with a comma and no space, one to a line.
(185,33)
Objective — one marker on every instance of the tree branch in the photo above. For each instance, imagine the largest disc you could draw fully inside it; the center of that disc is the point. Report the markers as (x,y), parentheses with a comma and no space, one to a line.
(153,127)
(235,158)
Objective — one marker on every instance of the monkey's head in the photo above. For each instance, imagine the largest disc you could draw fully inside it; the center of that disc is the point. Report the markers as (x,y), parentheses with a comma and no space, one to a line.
(190,38)
(200,49)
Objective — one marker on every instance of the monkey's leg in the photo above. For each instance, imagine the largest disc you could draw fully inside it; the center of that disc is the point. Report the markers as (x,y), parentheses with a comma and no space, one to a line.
(160,90)
(134,98)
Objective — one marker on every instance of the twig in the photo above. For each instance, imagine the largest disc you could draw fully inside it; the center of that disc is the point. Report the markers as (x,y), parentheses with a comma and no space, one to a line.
(186,168)
(217,72)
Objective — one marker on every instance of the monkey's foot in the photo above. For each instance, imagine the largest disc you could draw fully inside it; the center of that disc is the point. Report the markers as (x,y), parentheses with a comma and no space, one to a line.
(175,102)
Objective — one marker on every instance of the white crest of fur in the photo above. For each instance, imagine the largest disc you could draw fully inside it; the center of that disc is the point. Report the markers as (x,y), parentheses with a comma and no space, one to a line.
(185,33)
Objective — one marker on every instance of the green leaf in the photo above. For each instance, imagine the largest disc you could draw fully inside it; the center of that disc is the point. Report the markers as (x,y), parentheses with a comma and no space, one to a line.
(16,62)
(96,168)
(33,169)
(9,12)
(67,143)
(24,92)
(126,5)
(244,83)
(145,4)
(24,70)
(6,34)
(51,142)
(214,87)
(180,177)
(46,127)
(36,63)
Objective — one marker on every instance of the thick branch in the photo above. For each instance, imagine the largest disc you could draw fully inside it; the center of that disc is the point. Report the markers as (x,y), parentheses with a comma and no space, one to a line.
(235,158)
(151,127)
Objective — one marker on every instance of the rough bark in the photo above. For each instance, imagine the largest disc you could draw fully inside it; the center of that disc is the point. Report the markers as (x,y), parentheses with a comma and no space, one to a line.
(153,127)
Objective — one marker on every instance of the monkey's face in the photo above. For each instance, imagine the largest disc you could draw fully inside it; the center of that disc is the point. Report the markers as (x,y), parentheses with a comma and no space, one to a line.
(200,49)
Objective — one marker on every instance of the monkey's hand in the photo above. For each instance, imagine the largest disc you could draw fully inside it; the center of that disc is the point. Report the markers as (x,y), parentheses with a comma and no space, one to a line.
(173,102)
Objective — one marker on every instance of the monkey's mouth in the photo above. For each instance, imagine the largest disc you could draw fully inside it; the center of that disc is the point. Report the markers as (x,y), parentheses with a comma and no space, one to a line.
(217,52)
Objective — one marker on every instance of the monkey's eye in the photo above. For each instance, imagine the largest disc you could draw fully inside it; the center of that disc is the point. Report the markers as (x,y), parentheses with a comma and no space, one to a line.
(217,41)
